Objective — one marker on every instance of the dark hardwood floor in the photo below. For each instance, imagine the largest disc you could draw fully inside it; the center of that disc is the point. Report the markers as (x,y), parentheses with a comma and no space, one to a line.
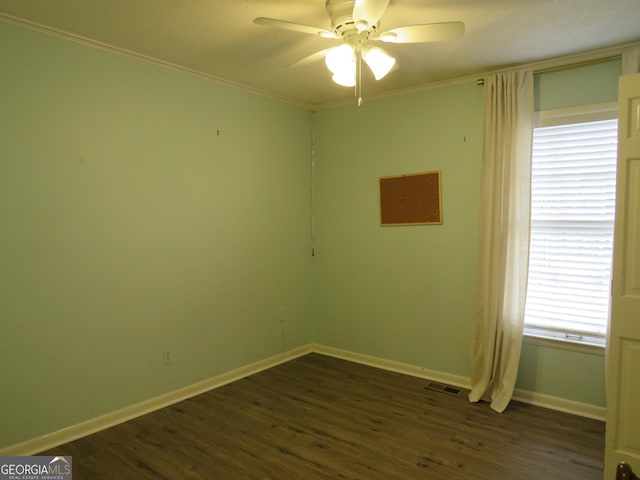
(318,417)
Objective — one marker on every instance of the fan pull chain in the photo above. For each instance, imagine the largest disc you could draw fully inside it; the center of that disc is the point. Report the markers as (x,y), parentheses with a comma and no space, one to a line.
(359,78)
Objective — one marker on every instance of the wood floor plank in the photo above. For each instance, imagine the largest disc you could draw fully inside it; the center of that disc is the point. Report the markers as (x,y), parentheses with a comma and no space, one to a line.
(318,417)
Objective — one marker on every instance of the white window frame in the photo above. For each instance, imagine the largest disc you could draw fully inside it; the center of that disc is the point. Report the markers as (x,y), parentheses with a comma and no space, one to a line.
(546,118)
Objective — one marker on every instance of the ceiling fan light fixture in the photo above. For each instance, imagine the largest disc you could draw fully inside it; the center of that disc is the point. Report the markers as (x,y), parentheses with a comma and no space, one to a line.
(342,63)
(379,61)
(345,79)
(356,22)
(340,59)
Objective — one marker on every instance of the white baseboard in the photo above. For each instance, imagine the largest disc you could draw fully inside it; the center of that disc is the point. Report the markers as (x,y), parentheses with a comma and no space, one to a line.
(93,425)
(587,410)
(393,366)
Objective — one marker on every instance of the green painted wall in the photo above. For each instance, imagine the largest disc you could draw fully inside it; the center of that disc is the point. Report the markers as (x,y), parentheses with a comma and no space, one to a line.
(129,226)
(400,293)
(562,373)
(585,85)
(406,293)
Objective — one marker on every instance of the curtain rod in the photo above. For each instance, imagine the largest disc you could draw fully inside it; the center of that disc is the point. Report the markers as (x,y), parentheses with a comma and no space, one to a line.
(480,81)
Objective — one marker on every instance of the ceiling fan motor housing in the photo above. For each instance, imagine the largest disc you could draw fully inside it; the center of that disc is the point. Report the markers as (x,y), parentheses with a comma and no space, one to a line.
(341,13)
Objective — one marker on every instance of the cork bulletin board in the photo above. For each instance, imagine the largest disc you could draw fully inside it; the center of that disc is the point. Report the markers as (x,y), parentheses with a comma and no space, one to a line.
(412,199)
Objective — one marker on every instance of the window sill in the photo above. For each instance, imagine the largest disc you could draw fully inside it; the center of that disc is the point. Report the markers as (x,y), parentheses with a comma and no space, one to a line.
(580,347)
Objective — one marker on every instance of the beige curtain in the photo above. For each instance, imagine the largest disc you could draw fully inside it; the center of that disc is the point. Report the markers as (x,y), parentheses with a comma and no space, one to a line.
(631,62)
(503,251)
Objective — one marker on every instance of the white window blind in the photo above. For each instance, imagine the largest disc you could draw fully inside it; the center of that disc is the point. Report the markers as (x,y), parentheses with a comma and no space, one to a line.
(572,216)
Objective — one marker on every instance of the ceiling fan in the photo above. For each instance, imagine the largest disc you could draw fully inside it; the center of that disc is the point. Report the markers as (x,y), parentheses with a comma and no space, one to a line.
(356,23)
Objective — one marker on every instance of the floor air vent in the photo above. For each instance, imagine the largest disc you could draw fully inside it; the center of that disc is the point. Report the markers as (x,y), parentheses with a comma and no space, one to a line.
(441,387)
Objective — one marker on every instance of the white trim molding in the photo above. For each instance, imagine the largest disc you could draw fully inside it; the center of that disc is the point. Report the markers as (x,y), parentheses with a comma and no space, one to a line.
(561,344)
(393,366)
(10,19)
(587,410)
(578,114)
(93,425)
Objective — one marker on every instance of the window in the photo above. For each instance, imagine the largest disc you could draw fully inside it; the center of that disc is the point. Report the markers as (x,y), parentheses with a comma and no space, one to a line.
(572,215)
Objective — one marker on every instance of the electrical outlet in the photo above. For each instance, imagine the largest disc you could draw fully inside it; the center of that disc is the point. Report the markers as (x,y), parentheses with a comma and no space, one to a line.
(167,357)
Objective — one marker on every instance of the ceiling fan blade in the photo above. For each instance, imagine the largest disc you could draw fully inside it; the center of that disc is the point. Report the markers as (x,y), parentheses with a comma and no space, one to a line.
(314,57)
(367,13)
(296,27)
(431,32)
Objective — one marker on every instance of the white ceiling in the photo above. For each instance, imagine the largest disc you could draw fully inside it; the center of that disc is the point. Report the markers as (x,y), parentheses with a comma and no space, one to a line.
(219,39)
